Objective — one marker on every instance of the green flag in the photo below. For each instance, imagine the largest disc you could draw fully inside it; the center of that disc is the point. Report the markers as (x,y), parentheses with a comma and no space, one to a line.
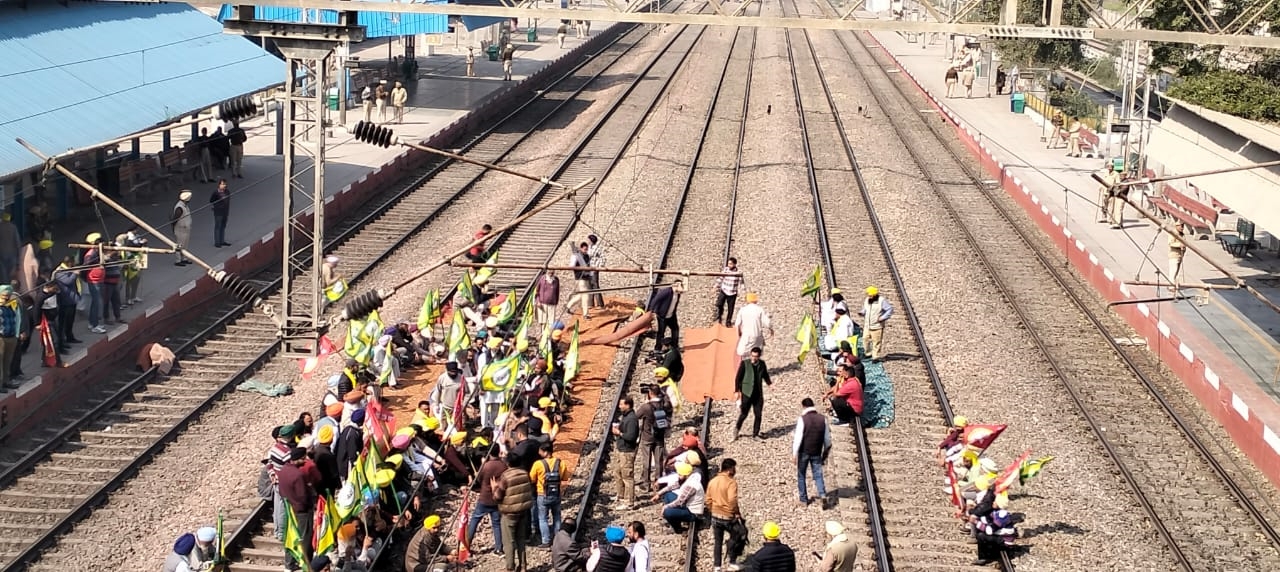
(458,338)
(466,288)
(430,311)
(488,271)
(293,539)
(813,284)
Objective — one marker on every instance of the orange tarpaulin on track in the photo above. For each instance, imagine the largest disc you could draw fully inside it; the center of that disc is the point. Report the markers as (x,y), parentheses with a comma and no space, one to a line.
(710,363)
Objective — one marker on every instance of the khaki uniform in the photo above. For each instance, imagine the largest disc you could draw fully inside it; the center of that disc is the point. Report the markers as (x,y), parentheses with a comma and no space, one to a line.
(1104,197)
(471,63)
(1177,251)
(1073,139)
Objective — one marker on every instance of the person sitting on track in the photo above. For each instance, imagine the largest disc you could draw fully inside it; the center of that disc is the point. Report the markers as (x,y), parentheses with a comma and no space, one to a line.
(683,501)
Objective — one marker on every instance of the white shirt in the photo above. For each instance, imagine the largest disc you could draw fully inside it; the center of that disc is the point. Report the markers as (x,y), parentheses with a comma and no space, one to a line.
(828,314)
(752,322)
(639,557)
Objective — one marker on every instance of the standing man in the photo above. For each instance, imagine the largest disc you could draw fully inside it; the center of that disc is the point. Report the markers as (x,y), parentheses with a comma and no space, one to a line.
(10,246)
(508,53)
(548,299)
(722,500)
(1073,138)
(596,254)
(380,100)
(626,432)
(10,334)
(444,396)
(655,421)
(68,299)
(236,137)
(809,446)
(665,303)
(548,475)
(399,97)
(335,286)
(366,101)
(748,389)
(1177,250)
(841,552)
(561,32)
(773,555)
(1116,214)
(221,201)
(301,498)
(514,493)
(206,160)
(471,61)
(752,323)
(486,504)
(875,312)
(727,289)
(581,259)
(1112,178)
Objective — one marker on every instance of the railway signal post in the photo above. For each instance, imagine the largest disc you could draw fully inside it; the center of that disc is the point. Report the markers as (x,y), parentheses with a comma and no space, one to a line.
(308,49)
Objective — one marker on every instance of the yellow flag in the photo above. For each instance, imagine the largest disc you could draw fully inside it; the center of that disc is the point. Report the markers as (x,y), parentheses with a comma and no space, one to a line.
(571,358)
(807,336)
(488,271)
(430,311)
(458,338)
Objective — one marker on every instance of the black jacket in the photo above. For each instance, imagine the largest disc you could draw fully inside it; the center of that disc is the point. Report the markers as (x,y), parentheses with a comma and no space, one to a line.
(663,303)
(327,464)
(613,558)
(350,442)
(674,363)
(774,557)
(629,426)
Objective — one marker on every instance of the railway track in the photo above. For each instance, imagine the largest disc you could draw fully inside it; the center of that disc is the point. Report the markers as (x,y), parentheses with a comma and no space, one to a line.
(1208,524)
(538,239)
(910,525)
(101,448)
(725,113)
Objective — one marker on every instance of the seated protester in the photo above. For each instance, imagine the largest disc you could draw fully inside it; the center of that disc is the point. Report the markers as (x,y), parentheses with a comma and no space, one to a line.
(845,397)
(471,418)
(331,395)
(844,329)
(402,481)
(205,553)
(474,451)
(376,526)
(428,547)
(507,438)
(537,384)
(423,413)
(983,468)
(683,501)
(827,314)
(567,553)
(689,443)
(179,559)
(953,444)
(542,413)
(846,356)
(456,471)
(612,555)
(392,501)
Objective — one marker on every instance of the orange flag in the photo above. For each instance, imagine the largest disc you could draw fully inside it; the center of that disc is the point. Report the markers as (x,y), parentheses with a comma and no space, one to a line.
(309,365)
(1009,476)
(980,436)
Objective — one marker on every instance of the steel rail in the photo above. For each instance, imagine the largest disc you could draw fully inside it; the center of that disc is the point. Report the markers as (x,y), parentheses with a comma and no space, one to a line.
(85,508)
(1157,522)
(590,488)
(884,559)
(879,537)
(1065,283)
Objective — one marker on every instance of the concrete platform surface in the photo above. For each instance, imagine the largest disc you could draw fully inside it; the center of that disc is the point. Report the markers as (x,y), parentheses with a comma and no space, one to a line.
(442,104)
(1225,348)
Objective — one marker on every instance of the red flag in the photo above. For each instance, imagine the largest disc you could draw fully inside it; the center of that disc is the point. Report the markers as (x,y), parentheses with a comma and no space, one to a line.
(982,436)
(309,365)
(1009,475)
(458,413)
(46,337)
(464,551)
(382,425)
(956,499)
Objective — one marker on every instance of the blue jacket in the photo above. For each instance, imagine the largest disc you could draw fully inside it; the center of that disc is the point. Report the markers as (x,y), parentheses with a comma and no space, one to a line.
(68,293)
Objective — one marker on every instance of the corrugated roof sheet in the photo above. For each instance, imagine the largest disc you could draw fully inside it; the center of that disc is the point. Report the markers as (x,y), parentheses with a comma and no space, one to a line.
(84,73)
(377,24)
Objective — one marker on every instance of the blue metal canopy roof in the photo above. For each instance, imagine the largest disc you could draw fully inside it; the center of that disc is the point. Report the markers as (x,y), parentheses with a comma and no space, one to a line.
(377,24)
(84,73)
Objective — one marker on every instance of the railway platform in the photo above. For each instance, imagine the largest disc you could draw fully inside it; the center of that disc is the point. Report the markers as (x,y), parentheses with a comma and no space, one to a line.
(442,103)
(1223,344)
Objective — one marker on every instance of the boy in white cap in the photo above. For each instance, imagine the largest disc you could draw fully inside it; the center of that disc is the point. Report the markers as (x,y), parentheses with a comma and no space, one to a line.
(181,221)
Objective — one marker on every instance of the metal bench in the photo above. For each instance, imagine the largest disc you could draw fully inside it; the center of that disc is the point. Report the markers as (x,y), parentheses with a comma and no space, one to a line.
(1195,214)
(1242,242)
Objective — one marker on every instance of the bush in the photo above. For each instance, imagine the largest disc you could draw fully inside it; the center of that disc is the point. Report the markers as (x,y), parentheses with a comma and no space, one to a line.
(1234,93)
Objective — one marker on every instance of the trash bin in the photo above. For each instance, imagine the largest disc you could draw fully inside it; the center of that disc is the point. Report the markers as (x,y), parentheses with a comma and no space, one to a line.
(1017,103)
(533,34)
(333,99)
(493,53)
(1117,164)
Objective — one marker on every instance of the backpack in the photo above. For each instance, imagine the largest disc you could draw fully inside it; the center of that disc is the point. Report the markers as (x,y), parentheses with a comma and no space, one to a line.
(661,422)
(551,482)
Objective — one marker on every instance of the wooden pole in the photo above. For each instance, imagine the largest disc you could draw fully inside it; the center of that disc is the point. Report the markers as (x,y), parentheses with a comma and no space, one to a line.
(113,248)
(663,271)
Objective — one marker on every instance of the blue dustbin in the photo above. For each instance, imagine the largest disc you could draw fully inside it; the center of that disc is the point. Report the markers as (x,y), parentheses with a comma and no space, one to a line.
(1017,102)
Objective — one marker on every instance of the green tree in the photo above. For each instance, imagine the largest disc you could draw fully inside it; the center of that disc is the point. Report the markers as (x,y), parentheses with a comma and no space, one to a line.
(1175,16)
(1239,94)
